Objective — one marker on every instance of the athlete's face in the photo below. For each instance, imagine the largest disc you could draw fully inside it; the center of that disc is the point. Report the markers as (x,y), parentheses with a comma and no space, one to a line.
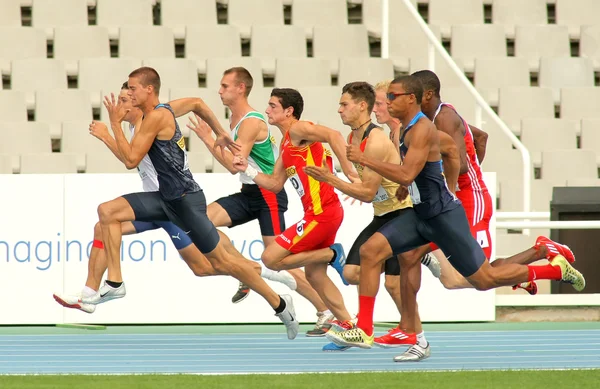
(380,108)
(126,101)
(230,89)
(138,93)
(275,112)
(398,100)
(349,110)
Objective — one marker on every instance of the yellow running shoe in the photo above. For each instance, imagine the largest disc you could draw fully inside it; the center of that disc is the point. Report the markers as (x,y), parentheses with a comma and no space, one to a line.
(569,273)
(354,337)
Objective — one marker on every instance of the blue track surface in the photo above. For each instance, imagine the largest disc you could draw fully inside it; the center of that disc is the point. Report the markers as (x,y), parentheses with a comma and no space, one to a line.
(271,353)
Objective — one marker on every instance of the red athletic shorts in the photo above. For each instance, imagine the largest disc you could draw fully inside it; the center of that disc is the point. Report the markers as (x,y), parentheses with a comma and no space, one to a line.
(313,232)
(479,209)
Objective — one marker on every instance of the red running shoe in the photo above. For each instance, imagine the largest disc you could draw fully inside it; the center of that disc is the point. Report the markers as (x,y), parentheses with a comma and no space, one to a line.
(396,338)
(530,287)
(554,249)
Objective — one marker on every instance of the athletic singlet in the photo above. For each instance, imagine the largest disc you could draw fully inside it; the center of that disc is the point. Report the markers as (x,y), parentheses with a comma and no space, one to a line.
(429,192)
(146,171)
(471,187)
(385,200)
(263,154)
(170,161)
(316,196)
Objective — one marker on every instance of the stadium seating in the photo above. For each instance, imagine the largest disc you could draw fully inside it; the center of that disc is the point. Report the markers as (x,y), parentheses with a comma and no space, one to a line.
(58,60)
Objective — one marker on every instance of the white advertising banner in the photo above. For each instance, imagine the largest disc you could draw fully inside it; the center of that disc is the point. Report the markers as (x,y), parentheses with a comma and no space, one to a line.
(46,236)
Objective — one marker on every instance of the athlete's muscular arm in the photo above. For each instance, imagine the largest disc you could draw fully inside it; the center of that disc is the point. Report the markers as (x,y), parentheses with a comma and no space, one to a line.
(197,106)
(271,182)
(449,122)
(248,133)
(450,159)
(364,189)
(134,152)
(480,139)
(303,130)
(414,161)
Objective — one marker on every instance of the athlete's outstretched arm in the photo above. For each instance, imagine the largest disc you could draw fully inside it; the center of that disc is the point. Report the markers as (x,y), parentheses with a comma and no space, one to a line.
(197,106)
(480,139)
(414,161)
(303,130)
(271,182)
(451,160)
(364,189)
(449,122)
(248,133)
(100,131)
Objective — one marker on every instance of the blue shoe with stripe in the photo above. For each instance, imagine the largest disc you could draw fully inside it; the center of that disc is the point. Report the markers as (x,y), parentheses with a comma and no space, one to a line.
(339,260)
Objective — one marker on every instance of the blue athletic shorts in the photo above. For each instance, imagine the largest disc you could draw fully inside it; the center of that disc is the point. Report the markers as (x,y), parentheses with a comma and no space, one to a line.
(179,238)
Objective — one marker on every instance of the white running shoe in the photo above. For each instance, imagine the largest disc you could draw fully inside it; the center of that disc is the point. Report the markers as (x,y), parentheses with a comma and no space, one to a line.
(415,353)
(106,293)
(432,264)
(73,301)
(282,276)
(288,317)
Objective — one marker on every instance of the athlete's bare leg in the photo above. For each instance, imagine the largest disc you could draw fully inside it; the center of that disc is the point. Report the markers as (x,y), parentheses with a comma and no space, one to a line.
(111,214)
(410,283)
(197,262)
(373,253)
(227,260)
(276,257)
(303,287)
(218,215)
(305,290)
(392,285)
(452,279)
(97,263)
(316,274)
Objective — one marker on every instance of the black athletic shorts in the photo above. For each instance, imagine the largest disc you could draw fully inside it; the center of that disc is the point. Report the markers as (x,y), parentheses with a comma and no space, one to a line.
(450,231)
(392,266)
(187,212)
(254,202)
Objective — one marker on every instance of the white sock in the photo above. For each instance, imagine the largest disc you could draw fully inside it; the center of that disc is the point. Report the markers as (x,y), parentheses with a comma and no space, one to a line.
(421,341)
(279,276)
(326,312)
(87,291)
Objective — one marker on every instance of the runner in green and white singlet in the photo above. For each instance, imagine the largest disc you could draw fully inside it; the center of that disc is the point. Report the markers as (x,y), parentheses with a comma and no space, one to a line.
(250,130)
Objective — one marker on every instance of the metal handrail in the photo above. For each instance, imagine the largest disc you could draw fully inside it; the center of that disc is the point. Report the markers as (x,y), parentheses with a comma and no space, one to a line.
(435,45)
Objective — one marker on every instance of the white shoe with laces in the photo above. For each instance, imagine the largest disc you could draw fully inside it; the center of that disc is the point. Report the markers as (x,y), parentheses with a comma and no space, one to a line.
(415,353)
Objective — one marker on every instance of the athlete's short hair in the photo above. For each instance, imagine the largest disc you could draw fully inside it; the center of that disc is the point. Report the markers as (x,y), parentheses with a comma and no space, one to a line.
(412,85)
(147,76)
(429,80)
(242,76)
(383,85)
(361,91)
(290,98)
(125,86)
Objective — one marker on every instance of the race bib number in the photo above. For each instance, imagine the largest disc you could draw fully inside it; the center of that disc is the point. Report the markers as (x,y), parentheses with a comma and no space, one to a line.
(292,175)
(482,239)
(381,195)
(414,193)
(300,227)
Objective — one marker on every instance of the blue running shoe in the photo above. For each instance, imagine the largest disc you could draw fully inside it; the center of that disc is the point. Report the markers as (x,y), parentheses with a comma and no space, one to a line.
(334,347)
(339,261)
